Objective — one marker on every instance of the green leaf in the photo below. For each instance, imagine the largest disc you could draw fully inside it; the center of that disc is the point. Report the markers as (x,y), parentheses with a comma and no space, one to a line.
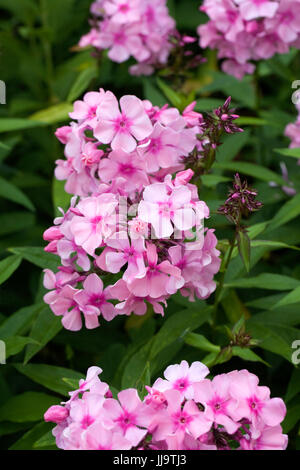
(51,377)
(60,197)
(12,222)
(37,256)
(212,180)
(54,114)
(7,427)
(16,344)
(290,152)
(231,146)
(71,383)
(178,325)
(266,281)
(82,82)
(28,440)
(291,298)
(16,124)
(4,146)
(247,354)
(12,193)
(274,337)
(241,91)
(44,329)
(200,342)
(256,229)
(291,419)
(287,316)
(210,360)
(152,93)
(137,368)
(174,98)
(251,169)
(251,121)
(29,406)
(47,440)
(19,322)
(207,104)
(294,386)
(8,266)
(273,245)
(243,242)
(287,212)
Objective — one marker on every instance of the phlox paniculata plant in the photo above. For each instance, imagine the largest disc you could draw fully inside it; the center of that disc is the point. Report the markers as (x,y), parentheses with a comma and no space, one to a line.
(182,411)
(134,234)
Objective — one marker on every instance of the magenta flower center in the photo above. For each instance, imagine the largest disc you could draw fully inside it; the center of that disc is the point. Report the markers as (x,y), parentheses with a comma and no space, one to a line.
(149,14)
(122,124)
(181,384)
(92,112)
(119,38)
(126,169)
(218,405)
(155,146)
(165,209)
(232,16)
(287,17)
(182,419)
(126,420)
(87,421)
(97,299)
(124,8)
(255,405)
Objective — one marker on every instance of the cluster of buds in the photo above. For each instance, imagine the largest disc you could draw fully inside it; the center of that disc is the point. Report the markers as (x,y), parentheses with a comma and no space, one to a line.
(212,127)
(240,202)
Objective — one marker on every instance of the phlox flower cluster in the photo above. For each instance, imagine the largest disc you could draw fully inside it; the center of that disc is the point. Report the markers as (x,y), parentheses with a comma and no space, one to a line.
(249,30)
(132,28)
(134,234)
(183,411)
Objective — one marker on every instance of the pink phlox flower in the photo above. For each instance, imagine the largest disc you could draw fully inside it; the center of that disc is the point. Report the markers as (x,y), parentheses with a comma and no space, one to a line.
(85,411)
(93,299)
(160,208)
(180,418)
(96,437)
(123,11)
(215,397)
(130,253)
(191,117)
(126,416)
(86,110)
(159,279)
(122,128)
(161,150)
(251,9)
(63,303)
(254,402)
(91,382)
(270,438)
(182,377)
(97,221)
(130,167)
